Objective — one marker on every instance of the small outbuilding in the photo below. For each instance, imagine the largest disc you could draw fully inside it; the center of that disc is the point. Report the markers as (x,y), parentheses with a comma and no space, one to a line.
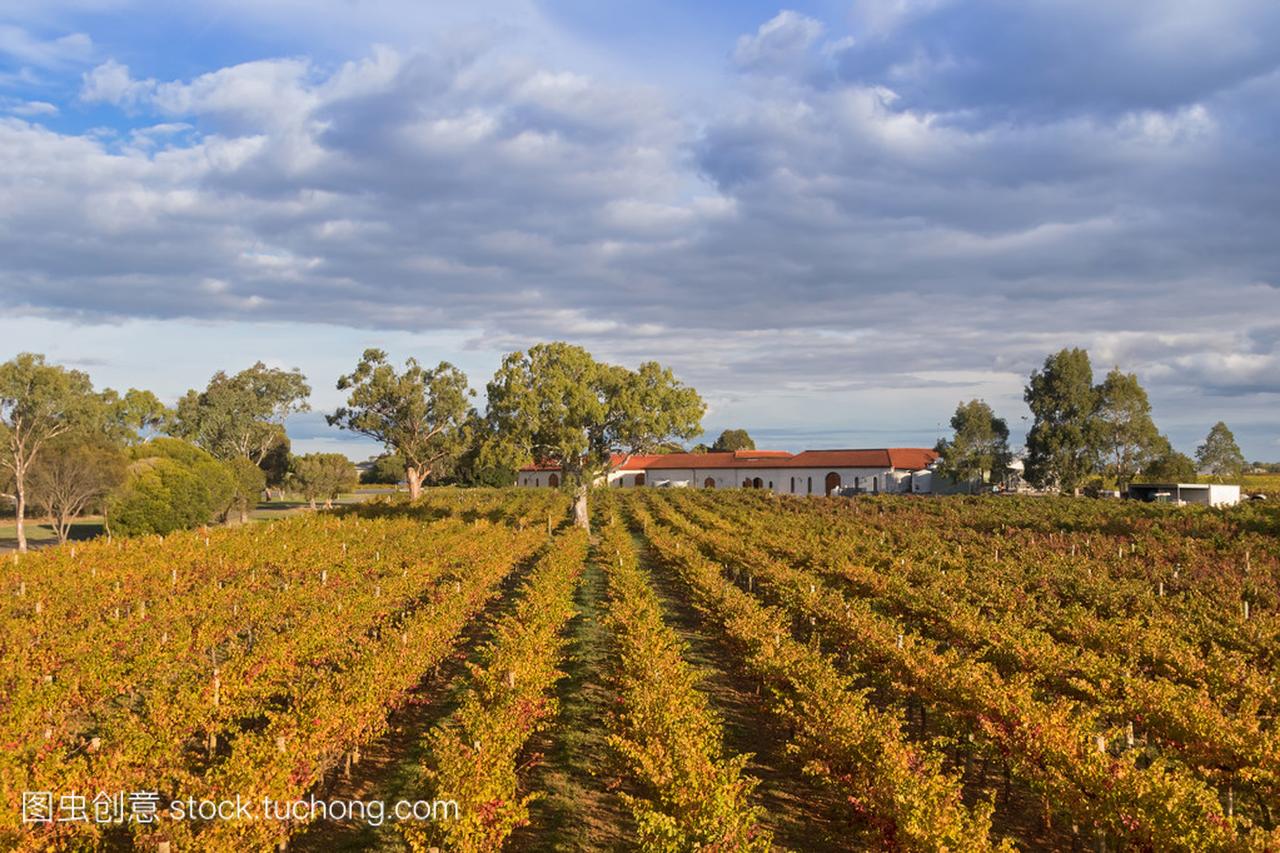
(1204,494)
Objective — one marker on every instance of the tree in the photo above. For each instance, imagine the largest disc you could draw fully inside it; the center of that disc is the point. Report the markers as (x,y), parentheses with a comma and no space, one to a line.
(134,417)
(322,475)
(73,475)
(733,439)
(171,485)
(1220,456)
(38,403)
(275,465)
(241,415)
(980,446)
(249,481)
(556,402)
(420,414)
(1168,465)
(387,470)
(1127,437)
(1061,445)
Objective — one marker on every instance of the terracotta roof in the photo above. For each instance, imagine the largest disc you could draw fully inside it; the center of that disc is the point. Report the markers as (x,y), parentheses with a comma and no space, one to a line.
(725,459)
(905,458)
(901,458)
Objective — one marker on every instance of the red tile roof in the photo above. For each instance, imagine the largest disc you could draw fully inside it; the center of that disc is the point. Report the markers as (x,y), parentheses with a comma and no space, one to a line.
(905,458)
(901,458)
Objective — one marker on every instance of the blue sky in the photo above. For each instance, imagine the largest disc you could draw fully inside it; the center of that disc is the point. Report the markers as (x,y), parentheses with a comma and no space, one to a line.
(837,220)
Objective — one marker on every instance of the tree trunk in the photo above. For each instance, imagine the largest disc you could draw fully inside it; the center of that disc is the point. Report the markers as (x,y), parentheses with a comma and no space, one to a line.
(414,476)
(20,512)
(311,503)
(62,526)
(581,516)
(244,513)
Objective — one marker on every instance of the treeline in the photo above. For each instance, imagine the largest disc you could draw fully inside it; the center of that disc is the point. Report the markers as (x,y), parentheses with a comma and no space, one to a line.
(70,450)
(1082,435)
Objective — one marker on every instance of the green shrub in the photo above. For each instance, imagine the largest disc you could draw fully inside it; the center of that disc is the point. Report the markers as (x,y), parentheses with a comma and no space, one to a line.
(171,485)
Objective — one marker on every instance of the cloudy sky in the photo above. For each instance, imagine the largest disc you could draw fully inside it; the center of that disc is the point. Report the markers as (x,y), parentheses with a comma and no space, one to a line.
(835,219)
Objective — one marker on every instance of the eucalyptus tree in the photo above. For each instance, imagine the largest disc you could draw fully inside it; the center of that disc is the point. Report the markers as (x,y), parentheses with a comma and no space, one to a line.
(1062,441)
(979,447)
(556,402)
(241,415)
(419,414)
(39,402)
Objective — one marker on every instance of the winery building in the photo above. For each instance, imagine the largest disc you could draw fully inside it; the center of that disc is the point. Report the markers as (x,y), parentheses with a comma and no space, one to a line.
(811,472)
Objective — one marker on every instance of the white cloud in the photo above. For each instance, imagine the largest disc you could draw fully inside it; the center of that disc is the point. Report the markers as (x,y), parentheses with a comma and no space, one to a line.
(781,42)
(44,53)
(31,109)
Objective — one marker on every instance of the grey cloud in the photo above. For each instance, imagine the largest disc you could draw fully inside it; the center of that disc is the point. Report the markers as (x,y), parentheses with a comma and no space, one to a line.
(822,237)
(1043,58)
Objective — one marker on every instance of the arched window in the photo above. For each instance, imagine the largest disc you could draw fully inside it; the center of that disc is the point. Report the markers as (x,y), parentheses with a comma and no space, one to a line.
(875,485)
(639,479)
(709,483)
(771,484)
(833,482)
(810,487)
(793,485)
(553,481)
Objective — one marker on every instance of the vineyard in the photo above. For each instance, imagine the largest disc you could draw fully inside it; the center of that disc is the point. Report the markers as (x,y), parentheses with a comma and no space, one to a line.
(707,670)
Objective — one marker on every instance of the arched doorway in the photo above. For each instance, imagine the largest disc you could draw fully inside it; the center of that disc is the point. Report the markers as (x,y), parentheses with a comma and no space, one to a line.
(757,483)
(553,481)
(833,482)
(746,484)
(639,479)
(709,483)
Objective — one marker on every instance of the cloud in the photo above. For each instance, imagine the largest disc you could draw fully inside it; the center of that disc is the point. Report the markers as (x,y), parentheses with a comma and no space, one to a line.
(22,46)
(31,109)
(1040,59)
(850,220)
(110,83)
(781,42)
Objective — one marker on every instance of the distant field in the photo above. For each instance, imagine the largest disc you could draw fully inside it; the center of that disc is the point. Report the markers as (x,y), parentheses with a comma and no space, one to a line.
(1268,484)
(721,670)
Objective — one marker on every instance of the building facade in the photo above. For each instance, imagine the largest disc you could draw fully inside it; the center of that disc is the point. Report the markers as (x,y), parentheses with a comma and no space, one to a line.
(812,472)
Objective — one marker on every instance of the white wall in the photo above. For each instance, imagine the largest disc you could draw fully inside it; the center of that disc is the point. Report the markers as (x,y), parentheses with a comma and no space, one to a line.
(785,481)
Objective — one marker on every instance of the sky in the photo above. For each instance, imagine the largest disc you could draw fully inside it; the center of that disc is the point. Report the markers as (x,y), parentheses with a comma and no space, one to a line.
(836,220)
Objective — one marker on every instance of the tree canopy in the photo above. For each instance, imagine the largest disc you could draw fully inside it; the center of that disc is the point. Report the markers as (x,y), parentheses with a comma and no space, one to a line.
(1126,436)
(241,415)
(421,414)
(324,476)
(1220,456)
(1168,465)
(557,402)
(1062,442)
(38,403)
(733,439)
(170,485)
(73,475)
(387,469)
(979,447)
